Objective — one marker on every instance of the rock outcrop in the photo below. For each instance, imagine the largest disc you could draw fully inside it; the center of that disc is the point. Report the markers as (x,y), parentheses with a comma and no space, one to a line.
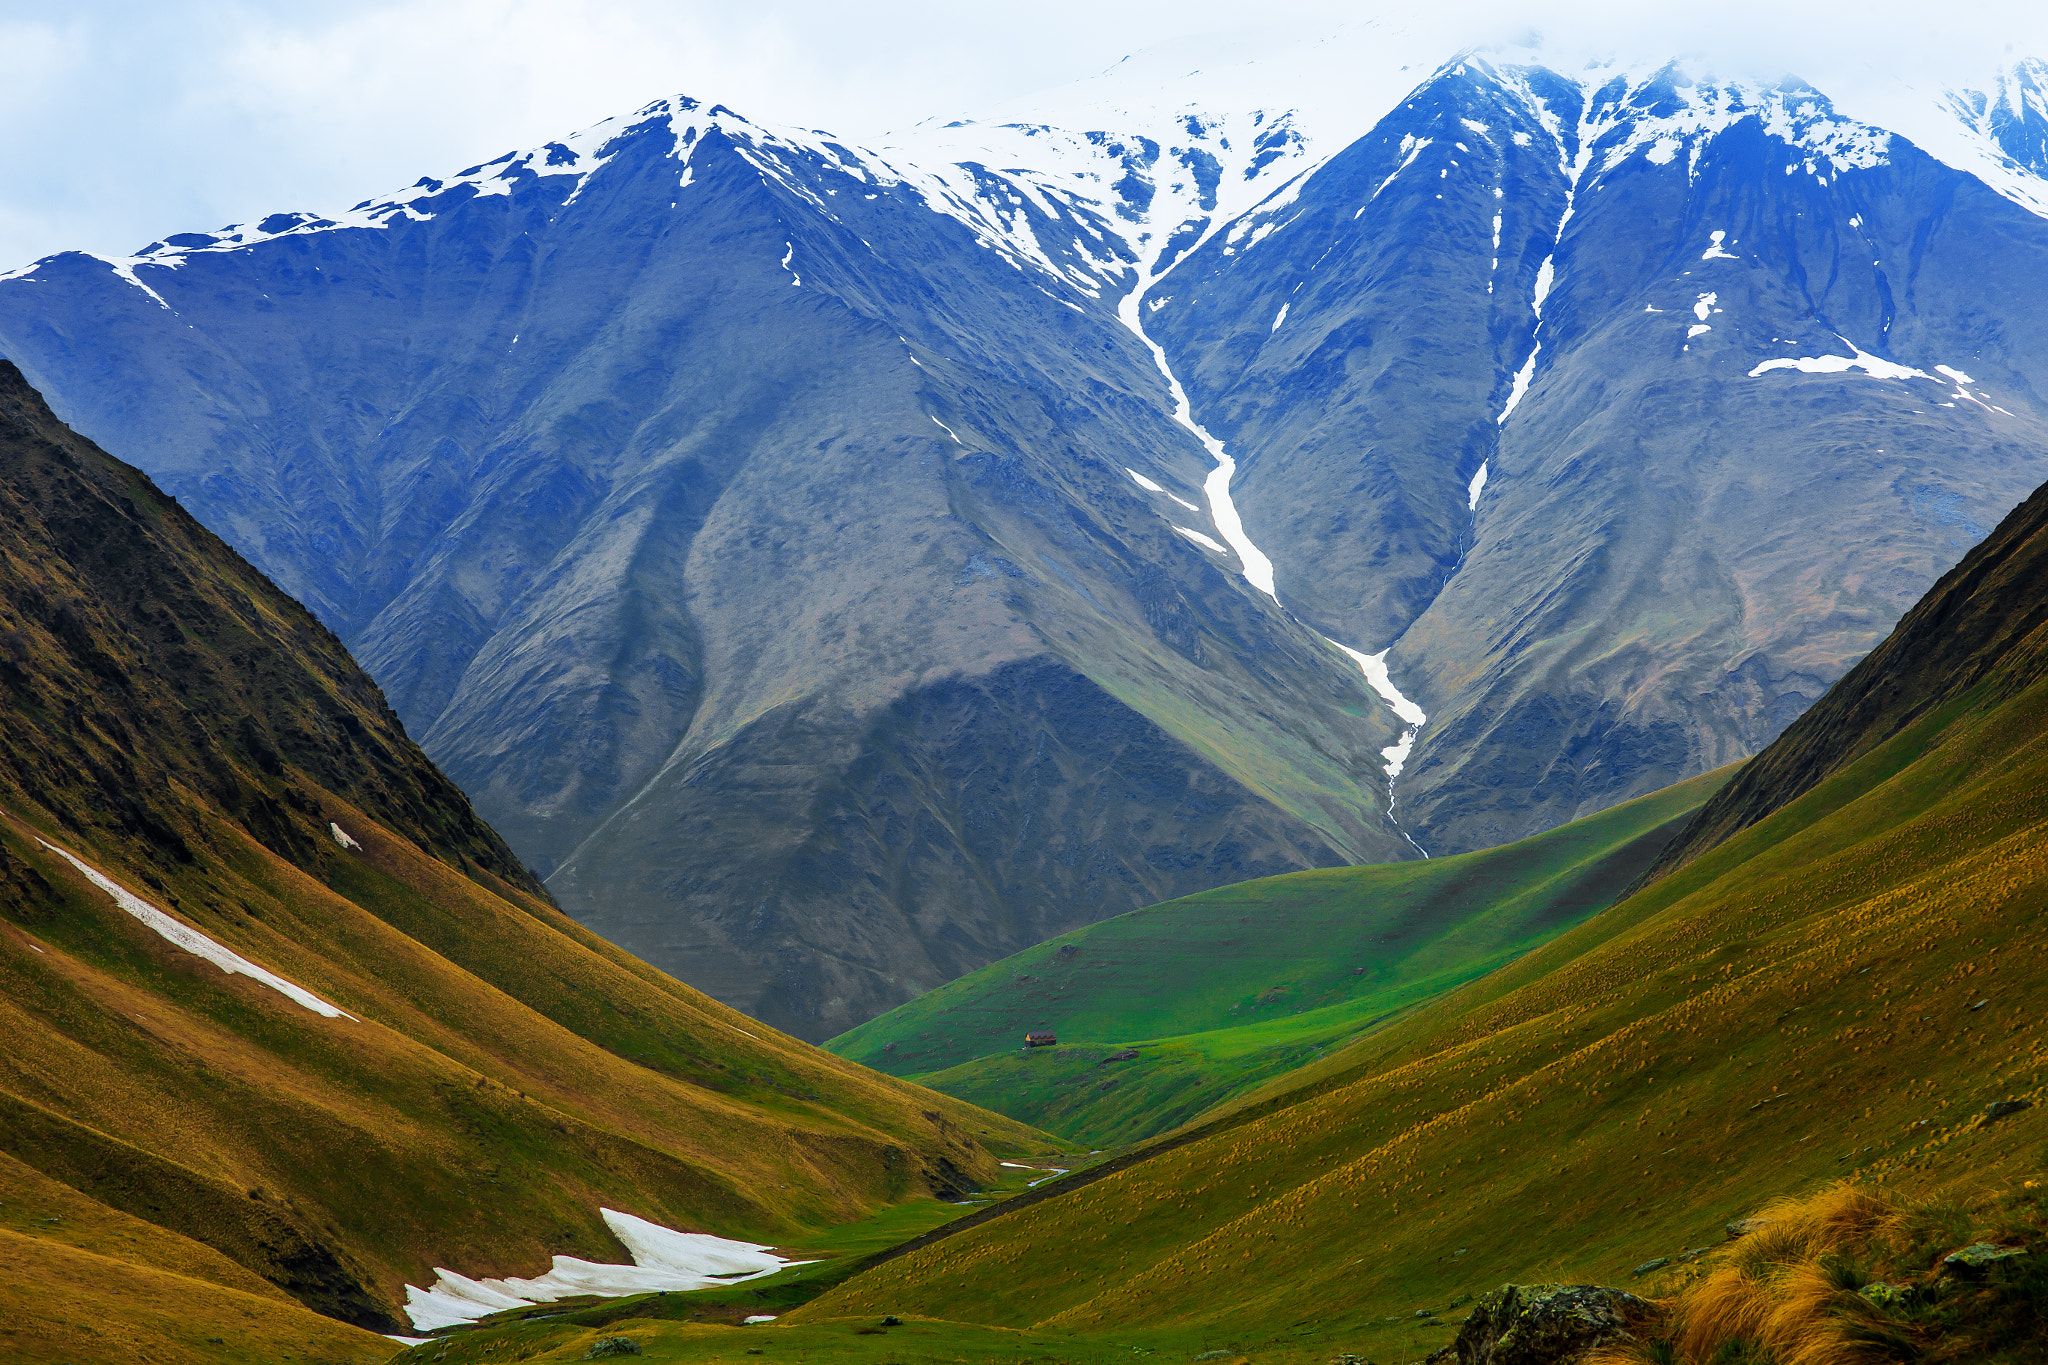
(1544,1324)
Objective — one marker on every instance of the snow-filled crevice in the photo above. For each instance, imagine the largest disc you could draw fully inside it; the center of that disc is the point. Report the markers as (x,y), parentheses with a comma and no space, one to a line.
(1257,568)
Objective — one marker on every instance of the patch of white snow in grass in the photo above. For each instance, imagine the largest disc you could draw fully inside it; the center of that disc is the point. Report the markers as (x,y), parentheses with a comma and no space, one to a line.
(192,941)
(408,1341)
(1204,541)
(342,836)
(757,1318)
(1477,486)
(1704,306)
(663,1259)
(948,430)
(1714,252)
(1696,330)
(1149,487)
(1279,318)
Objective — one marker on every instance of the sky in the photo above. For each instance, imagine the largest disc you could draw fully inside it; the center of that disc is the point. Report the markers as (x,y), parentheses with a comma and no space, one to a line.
(127,121)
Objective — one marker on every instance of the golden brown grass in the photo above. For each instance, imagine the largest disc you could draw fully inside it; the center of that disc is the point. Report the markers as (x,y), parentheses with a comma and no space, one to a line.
(1786,1292)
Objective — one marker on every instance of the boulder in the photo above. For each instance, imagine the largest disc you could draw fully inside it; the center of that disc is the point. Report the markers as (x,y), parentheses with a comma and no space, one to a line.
(2002,1109)
(1647,1266)
(1129,1054)
(1742,1227)
(1978,1257)
(606,1347)
(1545,1324)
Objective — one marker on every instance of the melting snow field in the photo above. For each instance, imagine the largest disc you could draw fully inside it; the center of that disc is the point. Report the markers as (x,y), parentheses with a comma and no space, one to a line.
(663,1259)
(192,941)
(1874,366)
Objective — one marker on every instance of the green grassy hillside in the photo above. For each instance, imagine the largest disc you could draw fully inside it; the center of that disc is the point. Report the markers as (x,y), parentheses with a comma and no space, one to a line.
(1839,990)
(1218,992)
(193,1165)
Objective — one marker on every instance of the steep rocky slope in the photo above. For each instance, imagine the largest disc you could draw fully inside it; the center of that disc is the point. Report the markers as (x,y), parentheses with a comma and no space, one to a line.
(285,1025)
(1979,628)
(1629,407)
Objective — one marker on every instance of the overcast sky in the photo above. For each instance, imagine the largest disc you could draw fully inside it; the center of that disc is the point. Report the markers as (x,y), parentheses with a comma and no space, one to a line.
(127,121)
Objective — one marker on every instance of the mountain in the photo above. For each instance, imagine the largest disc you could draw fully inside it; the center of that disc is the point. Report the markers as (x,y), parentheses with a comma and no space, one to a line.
(1595,353)
(792,609)
(1847,992)
(837,569)
(287,1026)
(1167,1012)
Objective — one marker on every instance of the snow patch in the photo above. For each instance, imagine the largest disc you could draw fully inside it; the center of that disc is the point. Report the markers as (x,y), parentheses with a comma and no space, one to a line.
(192,941)
(663,1259)
(1148,486)
(1196,536)
(1475,488)
(1714,251)
(342,836)
(1279,318)
(1874,366)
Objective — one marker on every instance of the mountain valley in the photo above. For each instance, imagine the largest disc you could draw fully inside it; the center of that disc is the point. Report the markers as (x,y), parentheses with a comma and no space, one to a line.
(1298,705)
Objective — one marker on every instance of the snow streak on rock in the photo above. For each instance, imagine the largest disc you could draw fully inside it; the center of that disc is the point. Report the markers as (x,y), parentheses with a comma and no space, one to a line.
(1258,569)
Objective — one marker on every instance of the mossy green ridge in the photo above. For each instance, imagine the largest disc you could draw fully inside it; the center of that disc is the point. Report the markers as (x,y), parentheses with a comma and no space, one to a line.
(1841,990)
(1221,991)
(195,1167)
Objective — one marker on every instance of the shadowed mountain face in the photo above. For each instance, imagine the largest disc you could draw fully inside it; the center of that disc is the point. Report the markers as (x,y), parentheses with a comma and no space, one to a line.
(795,552)
(283,1024)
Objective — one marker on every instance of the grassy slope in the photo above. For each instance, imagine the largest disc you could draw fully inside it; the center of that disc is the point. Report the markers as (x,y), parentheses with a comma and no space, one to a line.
(1220,991)
(180,1135)
(1798,1004)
